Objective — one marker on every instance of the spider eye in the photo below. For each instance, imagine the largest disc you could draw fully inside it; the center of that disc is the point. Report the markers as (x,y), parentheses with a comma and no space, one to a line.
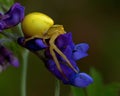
(36,24)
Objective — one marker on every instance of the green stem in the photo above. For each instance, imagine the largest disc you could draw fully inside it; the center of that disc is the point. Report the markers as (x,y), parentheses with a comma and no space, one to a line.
(57,88)
(24,73)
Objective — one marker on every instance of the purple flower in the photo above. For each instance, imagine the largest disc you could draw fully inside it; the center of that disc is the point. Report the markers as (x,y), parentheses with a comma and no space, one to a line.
(80,51)
(71,51)
(7,58)
(33,45)
(12,17)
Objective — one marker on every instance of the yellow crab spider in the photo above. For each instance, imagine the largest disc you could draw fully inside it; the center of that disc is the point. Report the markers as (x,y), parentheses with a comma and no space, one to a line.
(39,25)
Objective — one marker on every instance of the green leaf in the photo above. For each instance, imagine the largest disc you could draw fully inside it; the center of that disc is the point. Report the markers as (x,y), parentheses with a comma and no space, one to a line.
(112,89)
(77,91)
(95,89)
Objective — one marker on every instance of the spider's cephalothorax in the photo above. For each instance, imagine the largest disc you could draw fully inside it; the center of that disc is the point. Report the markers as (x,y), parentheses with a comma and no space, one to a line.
(39,25)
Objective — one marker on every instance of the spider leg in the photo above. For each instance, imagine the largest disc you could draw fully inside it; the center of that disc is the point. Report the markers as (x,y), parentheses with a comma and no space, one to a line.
(30,38)
(56,62)
(59,52)
(44,41)
(65,58)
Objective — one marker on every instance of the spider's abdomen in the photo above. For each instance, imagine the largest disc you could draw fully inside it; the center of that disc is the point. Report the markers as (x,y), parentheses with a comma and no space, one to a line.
(36,24)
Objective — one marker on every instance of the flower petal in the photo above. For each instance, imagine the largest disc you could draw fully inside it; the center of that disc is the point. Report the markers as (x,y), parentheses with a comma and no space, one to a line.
(82,47)
(63,40)
(8,56)
(82,80)
(11,18)
(79,55)
(68,72)
(13,61)
(2,59)
(33,44)
(80,51)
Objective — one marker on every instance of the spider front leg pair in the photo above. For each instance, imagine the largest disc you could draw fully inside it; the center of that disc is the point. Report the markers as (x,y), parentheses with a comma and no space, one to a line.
(54,47)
